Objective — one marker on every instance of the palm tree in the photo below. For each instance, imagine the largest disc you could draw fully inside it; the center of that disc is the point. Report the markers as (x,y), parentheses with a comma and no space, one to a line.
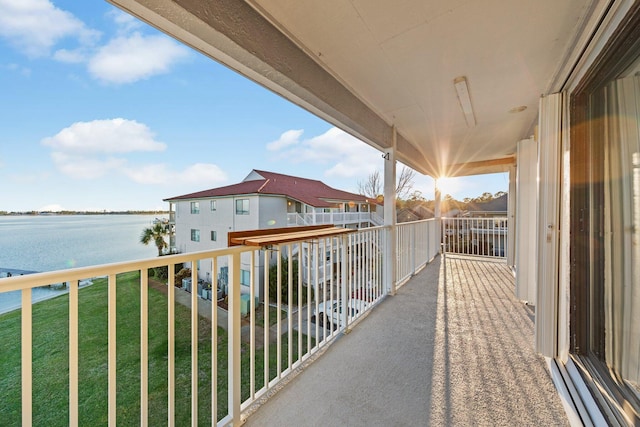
(156,235)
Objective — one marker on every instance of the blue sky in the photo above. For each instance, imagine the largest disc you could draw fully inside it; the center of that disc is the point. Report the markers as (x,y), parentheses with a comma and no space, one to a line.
(102,112)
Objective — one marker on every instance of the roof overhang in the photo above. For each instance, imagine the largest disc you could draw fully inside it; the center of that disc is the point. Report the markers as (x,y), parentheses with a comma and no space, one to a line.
(372,66)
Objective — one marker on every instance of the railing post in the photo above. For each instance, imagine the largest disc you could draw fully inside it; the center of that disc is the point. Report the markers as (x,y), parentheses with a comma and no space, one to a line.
(171,354)
(343,278)
(234,338)
(412,249)
(144,347)
(111,350)
(27,358)
(73,354)
(194,343)
(391,259)
(441,233)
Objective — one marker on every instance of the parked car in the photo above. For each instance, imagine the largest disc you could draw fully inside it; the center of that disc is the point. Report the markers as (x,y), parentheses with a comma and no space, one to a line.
(329,312)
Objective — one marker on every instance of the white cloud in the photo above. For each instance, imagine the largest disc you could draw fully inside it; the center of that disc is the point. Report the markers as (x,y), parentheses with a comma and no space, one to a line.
(126,23)
(75,56)
(345,156)
(84,167)
(88,149)
(204,174)
(35,26)
(105,136)
(127,59)
(290,137)
(18,69)
(91,150)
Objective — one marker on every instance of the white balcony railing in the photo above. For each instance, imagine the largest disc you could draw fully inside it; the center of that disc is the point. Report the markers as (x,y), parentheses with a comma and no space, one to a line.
(227,371)
(476,236)
(417,244)
(337,218)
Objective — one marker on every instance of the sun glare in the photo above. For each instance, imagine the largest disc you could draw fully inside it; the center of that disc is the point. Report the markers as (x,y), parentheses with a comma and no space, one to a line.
(448,185)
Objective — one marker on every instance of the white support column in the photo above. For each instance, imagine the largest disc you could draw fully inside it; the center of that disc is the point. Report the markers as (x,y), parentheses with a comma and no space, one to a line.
(390,214)
(526,221)
(549,185)
(511,218)
(437,212)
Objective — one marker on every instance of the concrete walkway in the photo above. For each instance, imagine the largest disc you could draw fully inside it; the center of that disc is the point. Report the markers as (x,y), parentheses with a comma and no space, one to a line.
(436,354)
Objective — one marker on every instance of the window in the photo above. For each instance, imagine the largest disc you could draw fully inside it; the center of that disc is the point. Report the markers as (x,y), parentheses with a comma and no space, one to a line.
(245,277)
(195,235)
(605,223)
(214,235)
(195,207)
(242,207)
(213,205)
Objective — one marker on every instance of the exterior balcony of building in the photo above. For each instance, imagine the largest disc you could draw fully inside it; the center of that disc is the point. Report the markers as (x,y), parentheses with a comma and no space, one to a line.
(426,339)
(341,219)
(545,91)
(451,347)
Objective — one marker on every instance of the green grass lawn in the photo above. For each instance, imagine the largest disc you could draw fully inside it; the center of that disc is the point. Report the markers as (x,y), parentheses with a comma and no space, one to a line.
(51,360)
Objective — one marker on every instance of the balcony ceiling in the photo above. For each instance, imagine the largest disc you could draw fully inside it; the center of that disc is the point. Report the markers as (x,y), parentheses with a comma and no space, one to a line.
(365,65)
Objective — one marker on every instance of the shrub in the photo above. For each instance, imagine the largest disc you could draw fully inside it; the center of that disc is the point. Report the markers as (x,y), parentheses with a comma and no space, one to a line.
(162,273)
(184,273)
(284,292)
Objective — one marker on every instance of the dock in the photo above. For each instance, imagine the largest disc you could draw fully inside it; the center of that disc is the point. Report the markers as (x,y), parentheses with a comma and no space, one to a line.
(8,272)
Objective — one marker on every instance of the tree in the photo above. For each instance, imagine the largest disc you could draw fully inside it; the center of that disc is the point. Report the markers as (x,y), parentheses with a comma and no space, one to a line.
(284,283)
(405,182)
(372,186)
(486,197)
(156,235)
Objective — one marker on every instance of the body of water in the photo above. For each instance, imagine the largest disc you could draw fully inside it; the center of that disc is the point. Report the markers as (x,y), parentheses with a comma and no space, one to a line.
(51,242)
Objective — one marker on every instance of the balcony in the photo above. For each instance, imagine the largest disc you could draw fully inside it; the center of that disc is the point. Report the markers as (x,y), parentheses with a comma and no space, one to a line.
(451,346)
(342,219)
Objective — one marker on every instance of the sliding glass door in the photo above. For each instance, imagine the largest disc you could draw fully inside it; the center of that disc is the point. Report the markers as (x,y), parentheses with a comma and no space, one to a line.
(605,225)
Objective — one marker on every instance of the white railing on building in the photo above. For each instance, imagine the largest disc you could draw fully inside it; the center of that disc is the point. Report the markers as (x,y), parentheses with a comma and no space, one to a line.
(417,244)
(376,219)
(351,263)
(475,236)
(345,274)
(337,218)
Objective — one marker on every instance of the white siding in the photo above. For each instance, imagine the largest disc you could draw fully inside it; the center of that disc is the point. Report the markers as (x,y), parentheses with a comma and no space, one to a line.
(272,212)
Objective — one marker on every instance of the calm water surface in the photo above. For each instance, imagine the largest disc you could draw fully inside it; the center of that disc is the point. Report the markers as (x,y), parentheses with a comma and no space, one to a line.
(47,243)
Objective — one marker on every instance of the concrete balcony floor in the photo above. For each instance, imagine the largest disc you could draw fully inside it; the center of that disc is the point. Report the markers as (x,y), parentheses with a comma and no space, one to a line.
(455,353)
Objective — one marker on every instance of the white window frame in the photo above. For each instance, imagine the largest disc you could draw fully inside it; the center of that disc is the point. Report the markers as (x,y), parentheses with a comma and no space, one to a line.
(195,235)
(214,205)
(214,236)
(195,207)
(245,277)
(243,211)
